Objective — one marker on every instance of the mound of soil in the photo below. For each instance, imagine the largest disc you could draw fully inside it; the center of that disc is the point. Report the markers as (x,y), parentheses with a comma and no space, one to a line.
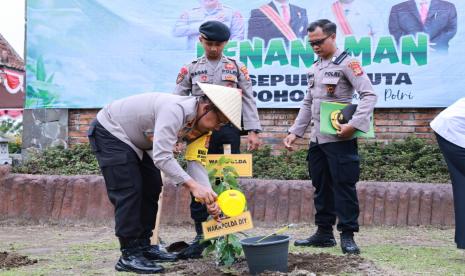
(299,264)
(11,260)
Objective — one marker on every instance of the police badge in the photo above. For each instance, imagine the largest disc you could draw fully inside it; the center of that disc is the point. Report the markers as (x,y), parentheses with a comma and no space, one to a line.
(330,88)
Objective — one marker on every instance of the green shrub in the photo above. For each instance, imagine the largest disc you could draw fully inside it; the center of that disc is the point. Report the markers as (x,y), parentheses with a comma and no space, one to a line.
(57,160)
(409,160)
(12,129)
(14,145)
(285,165)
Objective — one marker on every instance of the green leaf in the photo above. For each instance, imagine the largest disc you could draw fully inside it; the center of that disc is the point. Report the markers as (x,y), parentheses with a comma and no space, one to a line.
(50,79)
(30,68)
(219,188)
(41,75)
(232,181)
(228,259)
(209,249)
(45,86)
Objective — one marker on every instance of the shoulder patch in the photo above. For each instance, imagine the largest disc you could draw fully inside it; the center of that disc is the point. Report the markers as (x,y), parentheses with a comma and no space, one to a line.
(355,66)
(182,74)
(245,72)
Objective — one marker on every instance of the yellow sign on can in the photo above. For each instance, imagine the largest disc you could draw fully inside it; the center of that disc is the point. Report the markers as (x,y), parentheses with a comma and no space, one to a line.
(241,162)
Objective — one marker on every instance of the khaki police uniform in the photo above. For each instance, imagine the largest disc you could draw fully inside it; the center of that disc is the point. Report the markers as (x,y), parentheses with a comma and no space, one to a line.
(131,163)
(189,22)
(230,73)
(334,164)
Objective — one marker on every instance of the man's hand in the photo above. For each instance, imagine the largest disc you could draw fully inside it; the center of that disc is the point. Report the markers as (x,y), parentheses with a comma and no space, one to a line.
(253,141)
(289,140)
(345,131)
(214,210)
(201,193)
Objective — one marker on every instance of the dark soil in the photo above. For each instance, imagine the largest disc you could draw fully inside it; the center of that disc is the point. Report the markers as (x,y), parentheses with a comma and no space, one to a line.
(299,264)
(11,260)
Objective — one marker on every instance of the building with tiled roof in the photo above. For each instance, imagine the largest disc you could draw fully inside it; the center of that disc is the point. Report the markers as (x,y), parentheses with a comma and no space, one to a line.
(12,90)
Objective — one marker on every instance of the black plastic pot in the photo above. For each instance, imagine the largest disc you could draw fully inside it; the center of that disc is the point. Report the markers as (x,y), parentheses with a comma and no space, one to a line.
(270,254)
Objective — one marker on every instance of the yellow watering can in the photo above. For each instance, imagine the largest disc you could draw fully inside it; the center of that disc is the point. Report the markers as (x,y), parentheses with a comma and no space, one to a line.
(232,202)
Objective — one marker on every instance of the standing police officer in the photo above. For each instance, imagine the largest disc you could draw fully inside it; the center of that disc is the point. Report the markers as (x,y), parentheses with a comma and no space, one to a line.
(334,163)
(215,68)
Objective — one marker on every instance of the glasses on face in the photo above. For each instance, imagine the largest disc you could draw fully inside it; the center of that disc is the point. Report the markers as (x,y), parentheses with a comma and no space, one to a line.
(319,41)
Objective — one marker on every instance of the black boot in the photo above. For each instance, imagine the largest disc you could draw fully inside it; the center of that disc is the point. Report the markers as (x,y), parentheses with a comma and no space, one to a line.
(133,260)
(323,237)
(156,252)
(196,247)
(348,244)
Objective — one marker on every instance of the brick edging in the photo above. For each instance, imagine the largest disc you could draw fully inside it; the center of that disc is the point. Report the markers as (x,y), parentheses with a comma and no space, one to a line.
(45,198)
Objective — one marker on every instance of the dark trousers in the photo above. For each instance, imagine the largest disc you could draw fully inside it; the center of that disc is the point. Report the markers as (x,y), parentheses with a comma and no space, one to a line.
(455,159)
(133,185)
(228,134)
(335,169)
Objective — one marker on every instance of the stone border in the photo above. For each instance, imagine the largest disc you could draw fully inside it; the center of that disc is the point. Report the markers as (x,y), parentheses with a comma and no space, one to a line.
(45,198)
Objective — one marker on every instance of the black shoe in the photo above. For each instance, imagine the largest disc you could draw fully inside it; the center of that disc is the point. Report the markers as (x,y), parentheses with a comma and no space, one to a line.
(133,260)
(155,253)
(322,238)
(348,244)
(195,249)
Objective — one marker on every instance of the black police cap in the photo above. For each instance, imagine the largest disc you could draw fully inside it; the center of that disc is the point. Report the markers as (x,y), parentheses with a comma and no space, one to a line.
(215,31)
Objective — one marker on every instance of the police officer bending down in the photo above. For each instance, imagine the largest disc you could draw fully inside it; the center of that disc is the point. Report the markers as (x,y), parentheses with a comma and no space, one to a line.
(215,68)
(131,161)
(334,164)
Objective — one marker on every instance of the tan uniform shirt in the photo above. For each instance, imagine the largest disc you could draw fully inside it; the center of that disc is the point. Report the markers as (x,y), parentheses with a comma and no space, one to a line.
(165,114)
(230,73)
(325,76)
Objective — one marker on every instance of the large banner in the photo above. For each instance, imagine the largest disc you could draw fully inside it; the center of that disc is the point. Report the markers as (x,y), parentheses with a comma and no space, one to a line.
(86,53)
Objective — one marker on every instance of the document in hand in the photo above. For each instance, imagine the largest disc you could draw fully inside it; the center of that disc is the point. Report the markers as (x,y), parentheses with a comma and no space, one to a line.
(330,108)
